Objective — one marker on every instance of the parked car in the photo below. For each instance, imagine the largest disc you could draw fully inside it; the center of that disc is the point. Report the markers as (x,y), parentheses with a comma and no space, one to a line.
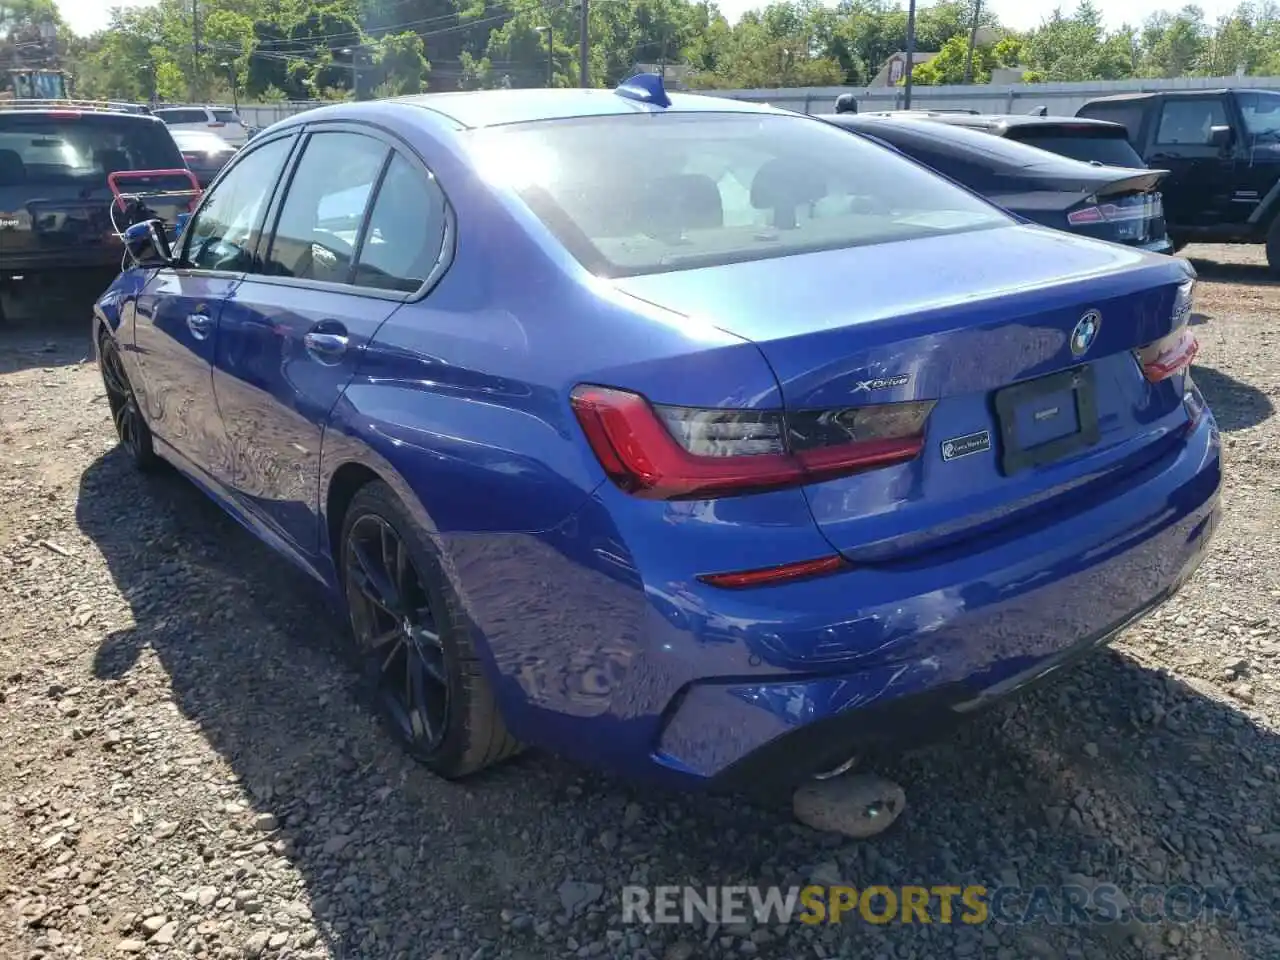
(56,231)
(223,121)
(1120,204)
(1089,141)
(1222,150)
(205,153)
(682,436)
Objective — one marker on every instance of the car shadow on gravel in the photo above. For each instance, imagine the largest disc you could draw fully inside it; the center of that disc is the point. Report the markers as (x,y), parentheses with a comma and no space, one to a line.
(1216,271)
(1235,405)
(56,341)
(1116,774)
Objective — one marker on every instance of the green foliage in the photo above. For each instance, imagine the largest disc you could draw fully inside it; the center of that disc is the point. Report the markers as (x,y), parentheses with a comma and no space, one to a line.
(299,49)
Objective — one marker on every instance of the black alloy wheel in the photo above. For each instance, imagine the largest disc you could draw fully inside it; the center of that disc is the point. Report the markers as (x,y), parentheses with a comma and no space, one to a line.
(397,633)
(414,640)
(126,415)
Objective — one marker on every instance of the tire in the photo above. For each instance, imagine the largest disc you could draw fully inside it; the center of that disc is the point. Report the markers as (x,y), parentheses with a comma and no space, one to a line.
(126,413)
(1273,247)
(1178,243)
(415,642)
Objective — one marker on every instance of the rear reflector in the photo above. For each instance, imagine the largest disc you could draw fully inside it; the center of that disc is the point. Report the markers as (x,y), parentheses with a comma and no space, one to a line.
(767,576)
(679,453)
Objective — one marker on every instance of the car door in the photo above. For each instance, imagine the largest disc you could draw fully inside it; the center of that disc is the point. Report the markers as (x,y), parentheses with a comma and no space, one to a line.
(1198,190)
(178,312)
(355,233)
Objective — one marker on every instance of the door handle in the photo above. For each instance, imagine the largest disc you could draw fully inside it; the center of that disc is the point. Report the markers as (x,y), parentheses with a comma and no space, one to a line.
(327,348)
(200,325)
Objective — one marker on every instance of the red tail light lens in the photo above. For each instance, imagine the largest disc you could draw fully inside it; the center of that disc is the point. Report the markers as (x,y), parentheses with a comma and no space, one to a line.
(1167,356)
(673,453)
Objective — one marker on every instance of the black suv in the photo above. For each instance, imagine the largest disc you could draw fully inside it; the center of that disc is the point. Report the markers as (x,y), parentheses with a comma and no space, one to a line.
(1222,151)
(56,232)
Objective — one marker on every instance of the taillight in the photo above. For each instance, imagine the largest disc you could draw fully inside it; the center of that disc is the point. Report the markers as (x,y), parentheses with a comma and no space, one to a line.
(671,453)
(1110,213)
(1173,353)
(1168,355)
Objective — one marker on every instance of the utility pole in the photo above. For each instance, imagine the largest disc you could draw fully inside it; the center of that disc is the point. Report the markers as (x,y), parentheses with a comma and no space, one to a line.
(195,49)
(973,41)
(911,52)
(583,42)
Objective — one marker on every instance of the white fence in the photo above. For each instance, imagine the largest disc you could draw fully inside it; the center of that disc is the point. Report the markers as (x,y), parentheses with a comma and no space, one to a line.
(1061,99)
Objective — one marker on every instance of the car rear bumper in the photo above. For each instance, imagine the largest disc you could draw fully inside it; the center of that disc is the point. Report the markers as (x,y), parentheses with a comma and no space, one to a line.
(613,655)
(104,259)
(1000,624)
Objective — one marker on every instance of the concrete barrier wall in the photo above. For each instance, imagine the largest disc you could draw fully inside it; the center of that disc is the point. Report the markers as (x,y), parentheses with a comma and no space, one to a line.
(1062,99)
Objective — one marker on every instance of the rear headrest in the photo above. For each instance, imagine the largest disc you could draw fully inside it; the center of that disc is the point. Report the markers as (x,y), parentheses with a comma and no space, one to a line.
(688,201)
(780,184)
(111,161)
(12,169)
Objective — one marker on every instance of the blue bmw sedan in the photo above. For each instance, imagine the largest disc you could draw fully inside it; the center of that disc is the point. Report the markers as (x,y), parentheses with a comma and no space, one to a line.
(687,438)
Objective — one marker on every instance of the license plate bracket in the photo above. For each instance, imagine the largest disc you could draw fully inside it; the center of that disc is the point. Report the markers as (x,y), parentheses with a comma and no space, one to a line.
(1012,409)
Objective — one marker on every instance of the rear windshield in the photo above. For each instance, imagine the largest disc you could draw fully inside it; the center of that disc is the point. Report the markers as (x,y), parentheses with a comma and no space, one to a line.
(225,116)
(647,193)
(1103,146)
(182,116)
(83,149)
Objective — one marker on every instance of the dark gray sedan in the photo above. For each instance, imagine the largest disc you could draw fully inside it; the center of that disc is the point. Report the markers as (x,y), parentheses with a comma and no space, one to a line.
(206,153)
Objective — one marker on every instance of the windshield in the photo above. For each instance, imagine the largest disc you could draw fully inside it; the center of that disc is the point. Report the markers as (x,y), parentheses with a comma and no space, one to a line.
(1112,149)
(225,116)
(646,193)
(45,149)
(1261,113)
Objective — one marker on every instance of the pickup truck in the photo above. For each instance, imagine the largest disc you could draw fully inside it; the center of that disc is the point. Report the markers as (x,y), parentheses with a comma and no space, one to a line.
(1222,151)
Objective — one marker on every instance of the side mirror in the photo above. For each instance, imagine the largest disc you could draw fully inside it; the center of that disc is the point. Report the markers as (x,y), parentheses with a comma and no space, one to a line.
(147,244)
(1221,137)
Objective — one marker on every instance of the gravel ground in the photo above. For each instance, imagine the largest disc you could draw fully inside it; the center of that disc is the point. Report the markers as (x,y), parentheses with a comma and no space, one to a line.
(187,768)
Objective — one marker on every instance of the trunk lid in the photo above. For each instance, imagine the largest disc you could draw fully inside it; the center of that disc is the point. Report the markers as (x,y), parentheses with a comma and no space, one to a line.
(1106,203)
(956,319)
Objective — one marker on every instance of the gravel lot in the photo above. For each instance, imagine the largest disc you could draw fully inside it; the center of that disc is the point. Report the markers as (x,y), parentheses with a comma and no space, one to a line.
(187,767)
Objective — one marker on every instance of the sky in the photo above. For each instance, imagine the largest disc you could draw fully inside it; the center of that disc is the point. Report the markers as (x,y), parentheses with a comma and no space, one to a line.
(85,16)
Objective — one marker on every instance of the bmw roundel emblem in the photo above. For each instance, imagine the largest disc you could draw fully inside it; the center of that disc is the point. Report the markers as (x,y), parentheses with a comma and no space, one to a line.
(1085,333)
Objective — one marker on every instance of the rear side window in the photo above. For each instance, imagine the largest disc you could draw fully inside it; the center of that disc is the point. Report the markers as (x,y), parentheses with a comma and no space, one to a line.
(642,193)
(405,233)
(1112,149)
(1128,114)
(40,149)
(182,116)
(225,116)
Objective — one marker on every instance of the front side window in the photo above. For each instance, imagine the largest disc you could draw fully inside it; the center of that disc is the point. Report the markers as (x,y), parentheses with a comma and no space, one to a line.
(221,235)
(642,193)
(320,220)
(1190,122)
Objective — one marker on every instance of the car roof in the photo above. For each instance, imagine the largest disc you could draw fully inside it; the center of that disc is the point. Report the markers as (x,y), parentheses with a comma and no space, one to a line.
(488,108)
(1153,94)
